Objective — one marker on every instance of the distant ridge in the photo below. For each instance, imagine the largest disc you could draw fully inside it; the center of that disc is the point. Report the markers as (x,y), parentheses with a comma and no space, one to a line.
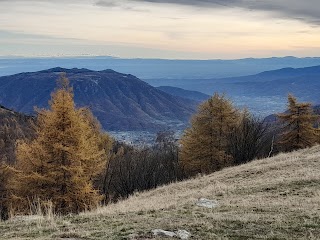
(179,92)
(158,68)
(273,117)
(120,101)
(288,72)
(6,112)
(13,126)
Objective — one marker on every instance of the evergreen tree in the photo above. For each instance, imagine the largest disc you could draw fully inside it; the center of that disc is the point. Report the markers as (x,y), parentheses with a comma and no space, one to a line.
(13,127)
(205,143)
(298,131)
(60,164)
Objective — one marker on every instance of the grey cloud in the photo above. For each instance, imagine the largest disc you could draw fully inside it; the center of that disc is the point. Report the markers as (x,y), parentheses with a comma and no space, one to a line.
(199,3)
(64,1)
(9,35)
(307,10)
(118,4)
(107,4)
(303,10)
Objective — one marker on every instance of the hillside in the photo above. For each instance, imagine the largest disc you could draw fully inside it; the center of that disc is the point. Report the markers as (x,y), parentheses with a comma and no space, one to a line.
(13,126)
(273,117)
(276,198)
(211,84)
(283,73)
(179,92)
(8,113)
(119,101)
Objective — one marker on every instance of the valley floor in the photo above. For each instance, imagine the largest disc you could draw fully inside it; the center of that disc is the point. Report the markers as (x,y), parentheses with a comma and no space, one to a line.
(276,198)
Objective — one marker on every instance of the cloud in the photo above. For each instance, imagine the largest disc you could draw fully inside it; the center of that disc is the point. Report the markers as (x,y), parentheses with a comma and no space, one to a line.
(307,10)
(21,37)
(199,3)
(122,4)
(107,4)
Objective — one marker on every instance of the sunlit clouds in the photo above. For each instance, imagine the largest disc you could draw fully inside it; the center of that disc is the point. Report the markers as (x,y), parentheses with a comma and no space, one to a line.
(152,29)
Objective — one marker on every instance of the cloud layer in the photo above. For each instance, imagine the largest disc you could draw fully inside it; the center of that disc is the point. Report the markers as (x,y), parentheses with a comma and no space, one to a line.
(307,10)
(157,28)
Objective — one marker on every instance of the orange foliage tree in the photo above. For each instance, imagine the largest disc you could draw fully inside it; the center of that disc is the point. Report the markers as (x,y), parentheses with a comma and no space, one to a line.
(61,163)
(298,126)
(204,145)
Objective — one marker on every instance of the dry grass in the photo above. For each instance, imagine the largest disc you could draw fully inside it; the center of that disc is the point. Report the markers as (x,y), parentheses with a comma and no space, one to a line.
(276,198)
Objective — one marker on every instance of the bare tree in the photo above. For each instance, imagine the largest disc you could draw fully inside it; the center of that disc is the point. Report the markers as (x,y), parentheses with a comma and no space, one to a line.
(138,169)
(250,139)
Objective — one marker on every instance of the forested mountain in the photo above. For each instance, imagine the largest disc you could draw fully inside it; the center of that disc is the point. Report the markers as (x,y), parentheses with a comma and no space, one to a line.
(119,101)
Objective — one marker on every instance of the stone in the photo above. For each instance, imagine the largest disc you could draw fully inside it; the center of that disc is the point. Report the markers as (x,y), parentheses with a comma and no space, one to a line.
(160,232)
(203,202)
(183,234)
(133,236)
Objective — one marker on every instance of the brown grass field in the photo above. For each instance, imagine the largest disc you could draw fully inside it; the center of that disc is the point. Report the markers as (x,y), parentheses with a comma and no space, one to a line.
(275,198)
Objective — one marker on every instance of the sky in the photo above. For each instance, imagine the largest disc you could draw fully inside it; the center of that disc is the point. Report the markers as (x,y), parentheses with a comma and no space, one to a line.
(171,29)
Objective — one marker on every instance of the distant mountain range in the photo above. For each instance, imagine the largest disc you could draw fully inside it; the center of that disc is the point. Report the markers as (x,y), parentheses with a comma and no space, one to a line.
(159,68)
(264,93)
(122,102)
(119,101)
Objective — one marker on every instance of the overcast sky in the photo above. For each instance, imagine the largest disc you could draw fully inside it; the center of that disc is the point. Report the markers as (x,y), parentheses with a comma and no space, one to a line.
(187,29)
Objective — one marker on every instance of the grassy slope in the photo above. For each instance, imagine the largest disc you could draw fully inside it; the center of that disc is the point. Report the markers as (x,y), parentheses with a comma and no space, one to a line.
(277,198)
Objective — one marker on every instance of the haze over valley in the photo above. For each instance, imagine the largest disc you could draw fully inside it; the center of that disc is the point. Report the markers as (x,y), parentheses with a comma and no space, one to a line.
(263,93)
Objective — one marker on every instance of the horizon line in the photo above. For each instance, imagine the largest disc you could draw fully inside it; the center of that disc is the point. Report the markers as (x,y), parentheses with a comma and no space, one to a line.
(142,58)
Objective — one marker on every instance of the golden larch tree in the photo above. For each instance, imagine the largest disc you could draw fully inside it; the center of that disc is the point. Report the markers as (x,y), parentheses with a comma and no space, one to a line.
(204,145)
(6,173)
(298,126)
(63,160)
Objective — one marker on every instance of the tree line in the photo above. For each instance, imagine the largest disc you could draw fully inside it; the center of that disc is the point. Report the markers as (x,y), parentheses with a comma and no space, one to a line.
(65,160)
(221,135)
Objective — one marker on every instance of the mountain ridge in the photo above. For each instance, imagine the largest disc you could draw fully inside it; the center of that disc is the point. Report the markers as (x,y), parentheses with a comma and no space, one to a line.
(159,68)
(180,92)
(263,93)
(120,101)
(14,126)
(287,72)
